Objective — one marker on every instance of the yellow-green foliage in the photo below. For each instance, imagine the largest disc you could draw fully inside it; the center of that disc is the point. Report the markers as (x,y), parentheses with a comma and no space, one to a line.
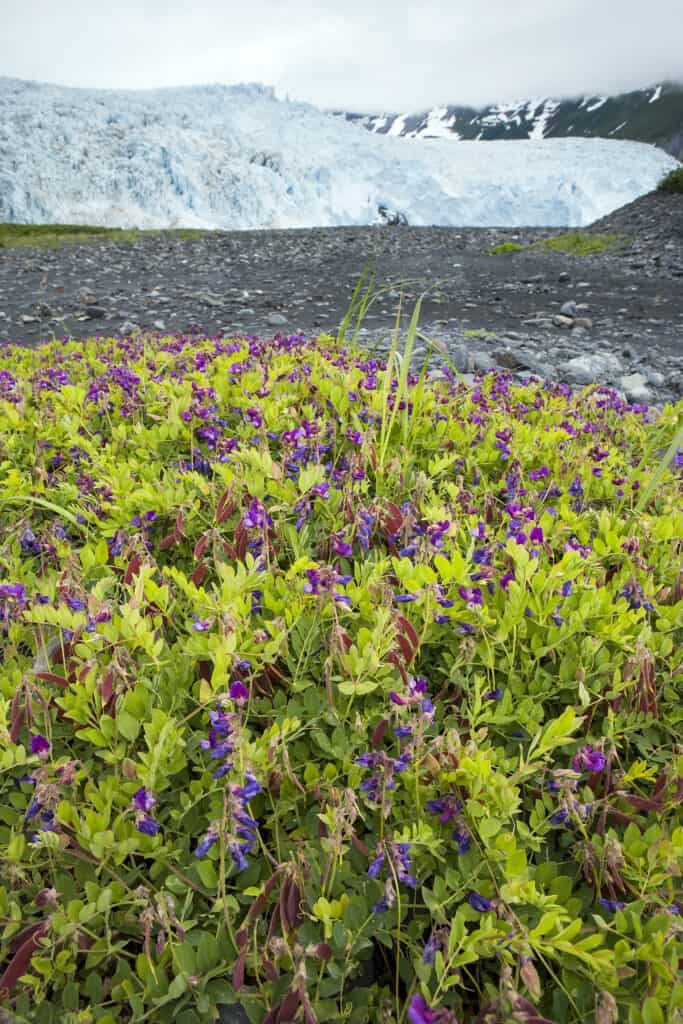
(506,247)
(580,243)
(49,236)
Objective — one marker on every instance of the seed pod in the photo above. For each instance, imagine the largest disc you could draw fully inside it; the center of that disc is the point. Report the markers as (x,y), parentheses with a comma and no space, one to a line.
(238,971)
(607,1011)
(530,977)
(294,904)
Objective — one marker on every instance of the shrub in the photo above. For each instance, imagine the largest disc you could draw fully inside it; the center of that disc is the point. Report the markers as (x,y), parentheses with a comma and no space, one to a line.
(334,694)
(672,182)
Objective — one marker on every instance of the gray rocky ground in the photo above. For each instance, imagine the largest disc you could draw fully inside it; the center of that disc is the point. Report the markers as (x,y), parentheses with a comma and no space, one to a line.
(615,317)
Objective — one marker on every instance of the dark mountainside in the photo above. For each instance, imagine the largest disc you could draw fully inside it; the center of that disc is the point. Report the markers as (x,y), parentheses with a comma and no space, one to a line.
(653,115)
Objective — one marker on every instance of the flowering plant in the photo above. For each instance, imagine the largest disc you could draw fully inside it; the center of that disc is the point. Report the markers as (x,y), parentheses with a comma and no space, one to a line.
(337,692)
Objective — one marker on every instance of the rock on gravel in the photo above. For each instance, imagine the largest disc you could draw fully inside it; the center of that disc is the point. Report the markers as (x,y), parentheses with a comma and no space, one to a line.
(600,366)
(635,387)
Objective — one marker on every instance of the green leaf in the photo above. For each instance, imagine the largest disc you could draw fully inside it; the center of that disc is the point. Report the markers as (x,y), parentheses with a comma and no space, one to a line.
(652,1012)
(128,726)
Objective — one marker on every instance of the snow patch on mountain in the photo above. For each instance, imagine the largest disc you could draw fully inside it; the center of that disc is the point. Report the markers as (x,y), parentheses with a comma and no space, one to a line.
(540,121)
(237,158)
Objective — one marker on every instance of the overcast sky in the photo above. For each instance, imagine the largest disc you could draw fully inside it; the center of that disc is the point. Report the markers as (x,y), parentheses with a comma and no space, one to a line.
(364,55)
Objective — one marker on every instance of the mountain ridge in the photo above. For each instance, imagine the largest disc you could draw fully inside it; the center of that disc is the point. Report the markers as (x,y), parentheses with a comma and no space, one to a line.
(653,115)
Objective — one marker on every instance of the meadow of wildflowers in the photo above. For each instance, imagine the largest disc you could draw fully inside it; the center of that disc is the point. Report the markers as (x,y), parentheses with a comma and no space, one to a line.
(338,692)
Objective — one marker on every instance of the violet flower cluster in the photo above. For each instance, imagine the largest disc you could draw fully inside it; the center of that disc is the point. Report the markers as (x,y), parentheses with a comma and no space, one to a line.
(143,803)
(395,858)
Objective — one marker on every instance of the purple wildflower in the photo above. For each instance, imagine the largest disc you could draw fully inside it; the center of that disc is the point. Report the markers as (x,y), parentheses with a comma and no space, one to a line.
(143,799)
(471,595)
(253,417)
(588,759)
(341,547)
(207,842)
(611,905)
(446,807)
(238,692)
(146,824)
(479,903)
(39,745)
(462,838)
(419,1011)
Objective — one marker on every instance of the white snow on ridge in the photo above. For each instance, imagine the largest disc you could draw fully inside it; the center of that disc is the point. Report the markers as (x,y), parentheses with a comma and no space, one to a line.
(237,158)
(398,125)
(541,122)
(596,106)
(439,125)
(655,95)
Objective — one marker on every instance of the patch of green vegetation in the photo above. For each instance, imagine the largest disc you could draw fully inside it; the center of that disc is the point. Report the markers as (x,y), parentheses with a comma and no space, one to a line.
(49,236)
(580,243)
(505,247)
(479,333)
(673,181)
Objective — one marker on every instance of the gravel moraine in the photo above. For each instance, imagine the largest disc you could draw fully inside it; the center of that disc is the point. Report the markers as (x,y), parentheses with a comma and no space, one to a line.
(615,317)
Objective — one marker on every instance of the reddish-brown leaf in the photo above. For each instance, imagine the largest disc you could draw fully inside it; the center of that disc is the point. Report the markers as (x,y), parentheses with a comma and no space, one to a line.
(406,648)
(393,518)
(288,1007)
(284,910)
(21,960)
(294,905)
(238,971)
(642,803)
(241,540)
(133,567)
(178,528)
(409,631)
(17,717)
(379,733)
(107,688)
(271,970)
(199,574)
(273,880)
(50,677)
(344,638)
(225,507)
(200,547)
(309,1014)
(166,542)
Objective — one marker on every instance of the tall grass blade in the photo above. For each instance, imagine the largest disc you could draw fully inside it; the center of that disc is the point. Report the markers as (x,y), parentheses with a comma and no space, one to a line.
(341,334)
(44,503)
(664,463)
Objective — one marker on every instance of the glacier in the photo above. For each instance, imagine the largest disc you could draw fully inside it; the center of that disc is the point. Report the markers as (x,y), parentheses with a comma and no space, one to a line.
(237,157)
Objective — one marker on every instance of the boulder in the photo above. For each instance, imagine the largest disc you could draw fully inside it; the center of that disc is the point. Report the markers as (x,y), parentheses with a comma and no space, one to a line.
(586,369)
